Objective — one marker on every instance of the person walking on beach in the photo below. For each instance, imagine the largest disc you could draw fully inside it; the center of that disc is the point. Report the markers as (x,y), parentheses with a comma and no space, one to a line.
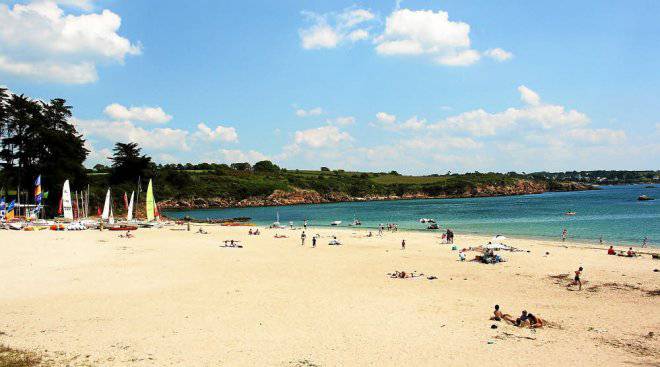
(577,281)
(313,241)
(563,235)
(403,244)
(302,238)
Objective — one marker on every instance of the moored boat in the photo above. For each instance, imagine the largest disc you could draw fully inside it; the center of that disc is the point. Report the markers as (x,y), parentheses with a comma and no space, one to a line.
(645,198)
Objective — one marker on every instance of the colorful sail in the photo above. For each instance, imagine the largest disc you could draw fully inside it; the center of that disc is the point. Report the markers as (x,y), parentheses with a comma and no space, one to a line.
(151,203)
(2,208)
(10,211)
(129,215)
(106,207)
(37,190)
(67,206)
(125,201)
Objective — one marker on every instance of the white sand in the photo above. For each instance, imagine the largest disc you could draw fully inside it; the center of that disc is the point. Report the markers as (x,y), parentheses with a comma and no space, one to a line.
(176,298)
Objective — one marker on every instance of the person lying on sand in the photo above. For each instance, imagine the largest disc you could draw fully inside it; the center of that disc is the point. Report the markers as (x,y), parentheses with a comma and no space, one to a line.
(529,320)
(499,316)
(201,231)
(232,243)
(403,275)
(277,235)
(127,235)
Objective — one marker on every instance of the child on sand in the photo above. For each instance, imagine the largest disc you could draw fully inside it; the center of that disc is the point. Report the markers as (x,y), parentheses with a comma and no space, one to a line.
(499,316)
(403,244)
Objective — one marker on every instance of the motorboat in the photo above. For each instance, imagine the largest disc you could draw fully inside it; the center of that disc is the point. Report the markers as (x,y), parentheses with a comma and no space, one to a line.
(645,198)
(433,226)
(335,223)
(356,222)
(570,213)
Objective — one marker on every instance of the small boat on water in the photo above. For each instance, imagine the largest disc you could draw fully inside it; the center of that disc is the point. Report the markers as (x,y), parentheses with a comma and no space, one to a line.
(645,198)
(433,226)
(570,213)
(356,222)
(427,220)
(335,223)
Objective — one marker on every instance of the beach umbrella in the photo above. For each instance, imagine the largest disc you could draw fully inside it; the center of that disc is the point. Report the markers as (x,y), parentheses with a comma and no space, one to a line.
(496,246)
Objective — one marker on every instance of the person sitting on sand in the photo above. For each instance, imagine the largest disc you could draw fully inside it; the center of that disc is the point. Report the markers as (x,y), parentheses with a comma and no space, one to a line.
(499,316)
(631,253)
(611,251)
(461,256)
(370,234)
(256,232)
(250,232)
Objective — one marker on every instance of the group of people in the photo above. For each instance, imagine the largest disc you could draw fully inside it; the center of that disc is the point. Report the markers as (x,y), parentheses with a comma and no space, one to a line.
(254,233)
(390,227)
(526,319)
(629,253)
(303,237)
(448,236)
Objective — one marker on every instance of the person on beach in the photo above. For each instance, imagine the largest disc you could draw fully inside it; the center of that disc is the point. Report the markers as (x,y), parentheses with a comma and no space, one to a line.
(611,251)
(403,244)
(631,253)
(305,224)
(314,241)
(577,281)
(600,240)
(461,256)
(563,235)
(499,316)
(645,242)
(302,238)
(529,320)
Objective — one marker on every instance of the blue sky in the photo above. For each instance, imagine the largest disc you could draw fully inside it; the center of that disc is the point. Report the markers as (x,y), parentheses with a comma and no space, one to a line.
(415,86)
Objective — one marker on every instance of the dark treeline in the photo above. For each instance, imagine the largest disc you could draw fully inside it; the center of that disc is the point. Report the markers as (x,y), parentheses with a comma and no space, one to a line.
(36,138)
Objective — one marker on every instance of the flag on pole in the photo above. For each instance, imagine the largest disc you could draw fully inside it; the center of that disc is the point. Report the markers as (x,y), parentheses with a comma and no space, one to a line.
(37,190)
(10,210)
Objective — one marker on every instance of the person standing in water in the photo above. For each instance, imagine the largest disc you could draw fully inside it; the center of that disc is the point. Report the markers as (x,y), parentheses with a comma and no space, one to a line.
(305,224)
(645,242)
(563,235)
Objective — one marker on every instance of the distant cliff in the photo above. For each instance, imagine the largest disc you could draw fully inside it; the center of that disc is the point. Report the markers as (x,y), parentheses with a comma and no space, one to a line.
(298,196)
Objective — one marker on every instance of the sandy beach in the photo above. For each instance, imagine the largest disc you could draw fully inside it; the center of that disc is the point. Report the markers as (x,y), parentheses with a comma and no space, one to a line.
(169,297)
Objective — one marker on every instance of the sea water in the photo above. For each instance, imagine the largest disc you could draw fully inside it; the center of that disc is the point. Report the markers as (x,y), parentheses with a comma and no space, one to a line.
(612,212)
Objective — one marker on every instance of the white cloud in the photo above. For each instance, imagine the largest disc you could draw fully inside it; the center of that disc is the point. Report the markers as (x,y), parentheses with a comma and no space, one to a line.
(145,114)
(312,112)
(462,58)
(342,120)
(97,156)
(535,114)
(388,122)
(385,117)
(86,5)
(325,136)
(222,133)
(417,32)
(126,131)
(498,54)
(39,40)
(529,96)
(596,136)
(329,30)
(235,156)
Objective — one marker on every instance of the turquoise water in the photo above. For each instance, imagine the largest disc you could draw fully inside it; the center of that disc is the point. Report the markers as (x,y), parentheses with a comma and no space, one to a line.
(613,212)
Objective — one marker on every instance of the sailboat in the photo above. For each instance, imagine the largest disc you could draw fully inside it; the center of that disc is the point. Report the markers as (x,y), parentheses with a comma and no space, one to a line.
(129,215)
(150,202)
(277,223)
(66,201)
(106,207)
